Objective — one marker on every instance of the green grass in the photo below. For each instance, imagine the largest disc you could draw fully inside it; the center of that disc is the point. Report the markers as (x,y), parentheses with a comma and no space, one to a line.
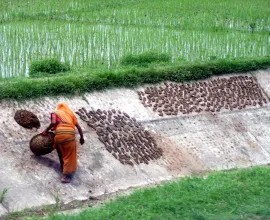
(110,43)
(47,66)
(236,194)
(80,82)
(3,194)
(145,59)
(187,14)
(97,34)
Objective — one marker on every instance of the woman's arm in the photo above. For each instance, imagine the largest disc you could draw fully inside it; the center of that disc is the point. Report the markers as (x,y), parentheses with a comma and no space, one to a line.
(52,125)
(80,132)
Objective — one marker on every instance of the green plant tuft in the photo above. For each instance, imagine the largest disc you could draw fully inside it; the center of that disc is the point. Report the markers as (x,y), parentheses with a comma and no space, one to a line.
(144,59)
(3,195)
(47,66)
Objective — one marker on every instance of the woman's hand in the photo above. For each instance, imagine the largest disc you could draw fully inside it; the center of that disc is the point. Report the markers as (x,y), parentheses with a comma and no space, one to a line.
(51,126)
(81,133)
(81,140)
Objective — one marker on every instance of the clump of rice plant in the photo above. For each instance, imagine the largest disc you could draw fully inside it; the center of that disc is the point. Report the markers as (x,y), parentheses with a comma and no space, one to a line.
(146,58)
(47,66)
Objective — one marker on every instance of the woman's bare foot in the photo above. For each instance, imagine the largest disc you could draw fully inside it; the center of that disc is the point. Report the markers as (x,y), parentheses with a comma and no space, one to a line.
(66,179)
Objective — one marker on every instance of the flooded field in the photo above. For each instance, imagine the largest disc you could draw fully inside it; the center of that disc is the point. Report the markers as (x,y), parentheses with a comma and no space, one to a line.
(99,33)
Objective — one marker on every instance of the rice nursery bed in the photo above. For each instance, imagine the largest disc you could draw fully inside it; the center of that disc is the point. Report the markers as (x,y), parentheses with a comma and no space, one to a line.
(122,136)
(237,92)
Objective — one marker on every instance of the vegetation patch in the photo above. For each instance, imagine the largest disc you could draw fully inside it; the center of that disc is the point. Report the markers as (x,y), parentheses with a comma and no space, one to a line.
(144,59)
(99,33)
(47,66)
(236,194)
(23,88)
(3,195)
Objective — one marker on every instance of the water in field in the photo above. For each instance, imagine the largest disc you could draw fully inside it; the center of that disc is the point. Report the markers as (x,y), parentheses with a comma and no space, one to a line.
(101,44)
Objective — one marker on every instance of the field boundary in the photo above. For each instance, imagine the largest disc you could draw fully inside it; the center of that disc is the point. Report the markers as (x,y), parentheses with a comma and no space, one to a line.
(74,84)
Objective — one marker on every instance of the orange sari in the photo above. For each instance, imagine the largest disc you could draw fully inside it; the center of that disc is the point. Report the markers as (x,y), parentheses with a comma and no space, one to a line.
(65,138)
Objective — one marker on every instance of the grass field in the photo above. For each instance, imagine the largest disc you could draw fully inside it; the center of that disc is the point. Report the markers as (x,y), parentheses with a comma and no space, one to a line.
(97,34)
(230,195)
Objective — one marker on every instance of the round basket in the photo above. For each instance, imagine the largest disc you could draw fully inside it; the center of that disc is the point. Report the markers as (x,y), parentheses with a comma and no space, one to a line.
(42,144)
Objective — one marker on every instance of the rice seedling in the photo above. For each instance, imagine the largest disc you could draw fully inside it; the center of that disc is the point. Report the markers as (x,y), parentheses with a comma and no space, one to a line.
(99,33)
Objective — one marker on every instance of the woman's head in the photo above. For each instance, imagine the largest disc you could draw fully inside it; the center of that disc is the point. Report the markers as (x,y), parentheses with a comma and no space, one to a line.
(64,107)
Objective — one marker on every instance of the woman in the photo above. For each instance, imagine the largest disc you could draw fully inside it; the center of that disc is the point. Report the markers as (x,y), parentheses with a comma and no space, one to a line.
(64,121)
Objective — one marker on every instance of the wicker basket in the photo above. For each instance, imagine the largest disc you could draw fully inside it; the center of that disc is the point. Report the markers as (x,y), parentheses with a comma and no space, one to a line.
(42,144)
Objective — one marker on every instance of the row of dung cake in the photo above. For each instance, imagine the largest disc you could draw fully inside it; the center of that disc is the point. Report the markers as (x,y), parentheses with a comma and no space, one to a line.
(122,136)
(236,92)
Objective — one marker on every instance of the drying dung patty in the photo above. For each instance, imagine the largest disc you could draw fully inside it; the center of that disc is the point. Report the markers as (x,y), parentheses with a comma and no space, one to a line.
(233,93)
(125,138)
(26,119)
